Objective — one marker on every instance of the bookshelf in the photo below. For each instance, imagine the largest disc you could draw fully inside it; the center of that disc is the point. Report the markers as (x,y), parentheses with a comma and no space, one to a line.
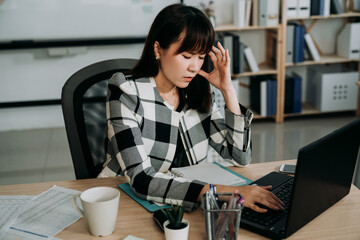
(279,71)
(265,67)
(325,59)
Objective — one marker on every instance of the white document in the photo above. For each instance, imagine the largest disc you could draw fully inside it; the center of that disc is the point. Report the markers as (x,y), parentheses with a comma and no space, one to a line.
(10,208)
(209,173)
(47,214)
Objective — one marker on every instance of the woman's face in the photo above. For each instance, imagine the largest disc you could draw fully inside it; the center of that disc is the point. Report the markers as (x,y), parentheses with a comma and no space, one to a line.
(178,68)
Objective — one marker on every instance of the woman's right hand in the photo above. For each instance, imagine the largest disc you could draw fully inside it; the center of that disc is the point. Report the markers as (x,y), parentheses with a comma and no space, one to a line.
(261,195)
(253,195)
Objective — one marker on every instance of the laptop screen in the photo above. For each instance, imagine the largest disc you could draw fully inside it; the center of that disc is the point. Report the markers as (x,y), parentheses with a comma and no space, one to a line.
(323,175)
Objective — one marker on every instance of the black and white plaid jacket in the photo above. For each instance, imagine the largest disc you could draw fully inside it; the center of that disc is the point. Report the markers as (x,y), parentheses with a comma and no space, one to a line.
(142,135)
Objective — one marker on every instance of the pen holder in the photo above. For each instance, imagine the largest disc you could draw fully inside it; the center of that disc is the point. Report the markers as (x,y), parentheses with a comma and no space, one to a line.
(222,223)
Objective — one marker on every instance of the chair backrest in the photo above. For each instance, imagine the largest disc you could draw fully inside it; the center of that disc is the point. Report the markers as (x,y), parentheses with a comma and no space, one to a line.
(83,101)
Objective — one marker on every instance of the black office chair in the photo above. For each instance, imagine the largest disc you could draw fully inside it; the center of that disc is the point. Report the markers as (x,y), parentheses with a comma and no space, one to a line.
(83,103)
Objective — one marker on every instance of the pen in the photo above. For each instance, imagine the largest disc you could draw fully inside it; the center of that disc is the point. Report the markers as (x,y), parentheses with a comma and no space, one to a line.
(233,203)
(208,216)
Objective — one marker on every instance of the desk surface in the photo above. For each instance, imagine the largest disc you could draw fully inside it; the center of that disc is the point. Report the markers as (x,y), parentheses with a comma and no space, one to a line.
(339,222)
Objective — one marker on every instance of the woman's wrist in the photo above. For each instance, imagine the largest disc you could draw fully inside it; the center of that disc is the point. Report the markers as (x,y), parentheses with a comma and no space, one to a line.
(231,100)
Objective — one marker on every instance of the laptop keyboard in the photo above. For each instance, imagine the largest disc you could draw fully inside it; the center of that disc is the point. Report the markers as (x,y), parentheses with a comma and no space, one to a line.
(271,217)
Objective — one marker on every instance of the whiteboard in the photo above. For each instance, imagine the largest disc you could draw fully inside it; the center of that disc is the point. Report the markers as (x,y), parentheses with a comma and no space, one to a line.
(77,19)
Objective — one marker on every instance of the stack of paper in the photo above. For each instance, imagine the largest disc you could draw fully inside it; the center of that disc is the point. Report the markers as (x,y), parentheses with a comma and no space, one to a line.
(37,217)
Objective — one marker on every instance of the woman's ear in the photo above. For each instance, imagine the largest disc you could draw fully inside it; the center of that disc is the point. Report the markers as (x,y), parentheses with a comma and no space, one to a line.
(157,50)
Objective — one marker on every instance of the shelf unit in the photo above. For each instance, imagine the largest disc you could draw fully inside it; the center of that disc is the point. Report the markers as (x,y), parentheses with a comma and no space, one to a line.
(324,59)
(280,71)
(265,67)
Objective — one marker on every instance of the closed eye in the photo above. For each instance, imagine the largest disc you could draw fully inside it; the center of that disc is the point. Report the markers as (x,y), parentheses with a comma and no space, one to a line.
(186,57)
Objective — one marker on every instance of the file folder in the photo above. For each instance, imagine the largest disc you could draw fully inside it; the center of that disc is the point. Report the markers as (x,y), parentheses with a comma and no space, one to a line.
(289,43)
(303,8)
(268,12)
(348,41)
(291,8)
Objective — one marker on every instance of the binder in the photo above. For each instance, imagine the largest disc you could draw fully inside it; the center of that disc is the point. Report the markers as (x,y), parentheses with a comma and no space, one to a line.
(291,8)
(242,57)
(268,12)
(299,43)
(303,8)
(255,93)
(228,44)
(336,7)
(289,43)
(311,47)
(273,96)
(289,94)
(269,96)
(348,41)
(293,93)
(317,7)
(326,8)
(251,59)
(263,98)
(239,13)
(236,54)
(297,93)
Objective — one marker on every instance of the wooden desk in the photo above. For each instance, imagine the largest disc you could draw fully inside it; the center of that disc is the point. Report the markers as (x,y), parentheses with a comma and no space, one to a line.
(339,222)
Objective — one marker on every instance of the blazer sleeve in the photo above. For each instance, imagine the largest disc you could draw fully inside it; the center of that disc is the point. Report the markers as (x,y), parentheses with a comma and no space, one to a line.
(230,136)
(127,154)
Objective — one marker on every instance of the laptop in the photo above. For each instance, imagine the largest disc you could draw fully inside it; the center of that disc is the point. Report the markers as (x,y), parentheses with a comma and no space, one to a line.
(323,176)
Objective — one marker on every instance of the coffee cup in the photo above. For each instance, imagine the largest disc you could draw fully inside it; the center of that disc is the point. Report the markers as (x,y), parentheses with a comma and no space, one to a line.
(100,208)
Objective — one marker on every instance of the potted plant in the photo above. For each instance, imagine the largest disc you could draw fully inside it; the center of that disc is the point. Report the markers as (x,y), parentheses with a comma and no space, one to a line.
(175,228)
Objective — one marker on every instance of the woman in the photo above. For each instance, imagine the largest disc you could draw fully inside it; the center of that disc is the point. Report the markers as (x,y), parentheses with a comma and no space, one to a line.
(163,116)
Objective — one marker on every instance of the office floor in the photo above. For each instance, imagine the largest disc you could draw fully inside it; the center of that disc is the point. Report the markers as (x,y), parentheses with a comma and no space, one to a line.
(43,154)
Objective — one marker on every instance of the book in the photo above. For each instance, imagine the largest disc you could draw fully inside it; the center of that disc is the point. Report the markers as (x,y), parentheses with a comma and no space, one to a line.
(299,43)
(211,172)
(310,46)
(239,13)
(250,58)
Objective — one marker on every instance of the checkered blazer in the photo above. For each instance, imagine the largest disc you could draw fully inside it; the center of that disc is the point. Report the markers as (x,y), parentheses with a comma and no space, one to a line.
(142,132)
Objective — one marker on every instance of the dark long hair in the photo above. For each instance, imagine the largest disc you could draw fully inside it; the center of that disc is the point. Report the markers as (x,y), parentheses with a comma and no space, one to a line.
(199,38)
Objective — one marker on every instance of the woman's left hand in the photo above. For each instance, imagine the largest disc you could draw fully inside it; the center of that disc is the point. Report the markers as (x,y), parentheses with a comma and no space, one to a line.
(220,77)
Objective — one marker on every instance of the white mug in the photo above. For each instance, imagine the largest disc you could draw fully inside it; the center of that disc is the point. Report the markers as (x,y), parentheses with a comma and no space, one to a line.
(100,206)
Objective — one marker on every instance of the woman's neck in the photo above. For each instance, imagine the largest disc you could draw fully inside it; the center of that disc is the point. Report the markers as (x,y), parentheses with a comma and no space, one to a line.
(168,91)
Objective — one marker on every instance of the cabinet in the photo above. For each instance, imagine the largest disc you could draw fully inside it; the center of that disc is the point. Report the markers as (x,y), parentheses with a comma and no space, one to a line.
(281,67)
